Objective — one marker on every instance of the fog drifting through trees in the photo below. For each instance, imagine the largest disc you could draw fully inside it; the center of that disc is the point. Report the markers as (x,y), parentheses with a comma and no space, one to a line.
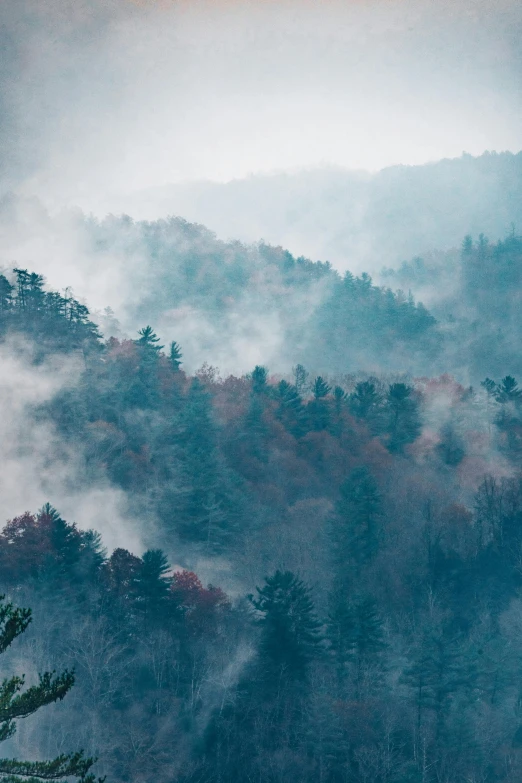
(260,391)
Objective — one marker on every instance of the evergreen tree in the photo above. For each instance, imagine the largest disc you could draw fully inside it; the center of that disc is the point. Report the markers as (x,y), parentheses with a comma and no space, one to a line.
(320,388)
(255,430)
(366,404)
(451,446)
(435,674)
(467,245)
(152,587)
(369,634)
(290,630)
(149,340)
(143,391)
(318,407)
(403,419)
(356,636)
(339,396)
(508,390)
(15,702)
(290,408)
(337,422)
(355,526)
(259,378)
(175,355)
(75,556)
(490,386)
(200,508)
(6,295)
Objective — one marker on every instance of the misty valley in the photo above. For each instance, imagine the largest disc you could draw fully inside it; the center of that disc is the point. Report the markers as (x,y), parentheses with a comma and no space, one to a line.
(260,391)
(309,570)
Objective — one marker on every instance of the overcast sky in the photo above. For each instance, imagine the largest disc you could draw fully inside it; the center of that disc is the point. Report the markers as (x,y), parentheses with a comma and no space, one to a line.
(106,96)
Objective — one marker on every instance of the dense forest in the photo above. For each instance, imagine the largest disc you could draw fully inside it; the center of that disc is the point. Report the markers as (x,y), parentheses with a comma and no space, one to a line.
(239,305)
(329,584)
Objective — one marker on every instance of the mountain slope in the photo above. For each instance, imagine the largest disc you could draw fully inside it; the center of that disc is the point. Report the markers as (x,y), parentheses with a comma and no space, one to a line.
(353,218)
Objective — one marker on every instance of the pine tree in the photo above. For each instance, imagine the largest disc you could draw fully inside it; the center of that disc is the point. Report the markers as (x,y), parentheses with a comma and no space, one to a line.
(175,355)
(339,396)
(356,636)
(153,585)
(6,295)
(451,446)
(366,404)
(436,673)
(144,388)
(290,636)
(201,510)
(22,287)
(259,378)
(355,526)
(508,390)
(318,407)
(255,428)
(320,388)
(403,420)
(337,420)
(15,702)
(369,636)
(290,408)
(75,555)
(149,339)
(467,245)
(490,386)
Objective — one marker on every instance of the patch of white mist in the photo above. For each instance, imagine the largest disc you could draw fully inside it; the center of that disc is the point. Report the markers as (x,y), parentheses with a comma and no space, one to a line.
(39,465)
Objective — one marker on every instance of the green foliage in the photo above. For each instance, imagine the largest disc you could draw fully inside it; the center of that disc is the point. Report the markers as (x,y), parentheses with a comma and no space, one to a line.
(18,703)
(508,391)
(290,630)
(152,584)
(175,355)
(149,340)
(366,403)
(259,377)
(436,673)
(355,526)
(415,576)
(320,388)
(60,323)
(290,408)
(403,420)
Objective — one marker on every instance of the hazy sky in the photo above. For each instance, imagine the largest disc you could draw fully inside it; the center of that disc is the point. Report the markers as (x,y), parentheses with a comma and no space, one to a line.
(103,96)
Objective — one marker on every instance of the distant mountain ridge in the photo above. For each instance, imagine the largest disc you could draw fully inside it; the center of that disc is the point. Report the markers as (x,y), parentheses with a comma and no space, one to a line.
(356,220)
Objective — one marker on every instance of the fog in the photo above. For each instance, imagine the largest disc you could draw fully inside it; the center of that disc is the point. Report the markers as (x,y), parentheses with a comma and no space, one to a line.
(260,275)
(100,99)
(39,466)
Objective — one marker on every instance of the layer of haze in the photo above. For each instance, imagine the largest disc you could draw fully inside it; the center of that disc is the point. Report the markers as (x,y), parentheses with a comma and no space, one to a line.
(39,466)
(100,98)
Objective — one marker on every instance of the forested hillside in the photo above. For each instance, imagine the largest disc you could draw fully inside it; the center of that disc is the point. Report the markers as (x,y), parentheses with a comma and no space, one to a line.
(351,218)
(330,588)
(476,293)
(233,301)
(239,305)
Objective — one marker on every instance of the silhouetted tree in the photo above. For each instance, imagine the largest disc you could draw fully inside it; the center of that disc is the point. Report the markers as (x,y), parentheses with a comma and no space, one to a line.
(15,703)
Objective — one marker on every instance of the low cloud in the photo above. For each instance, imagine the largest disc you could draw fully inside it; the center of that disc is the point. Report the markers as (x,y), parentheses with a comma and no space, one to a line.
(38,465)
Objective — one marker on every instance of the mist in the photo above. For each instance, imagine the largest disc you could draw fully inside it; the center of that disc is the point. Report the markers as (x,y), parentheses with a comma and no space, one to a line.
(38,466)
(261,413)
(103,99)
